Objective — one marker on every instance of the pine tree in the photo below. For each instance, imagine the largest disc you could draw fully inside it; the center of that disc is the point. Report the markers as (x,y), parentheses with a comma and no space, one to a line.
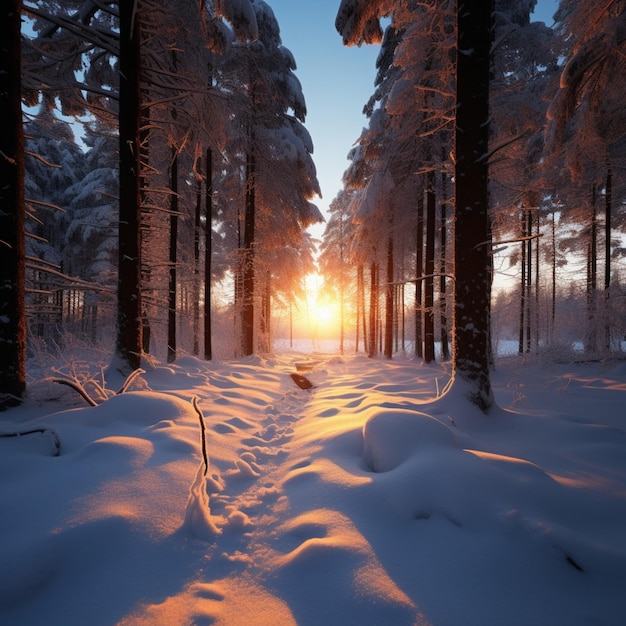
(473,230)
(91,237)
(12,250)
(335,259)
(587,130)
(358,21)
(276,169)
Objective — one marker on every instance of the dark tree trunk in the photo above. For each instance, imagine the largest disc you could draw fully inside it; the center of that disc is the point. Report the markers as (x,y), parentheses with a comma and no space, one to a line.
(208,254)
(608,208)
(342,294)
(592,276)
(196,260)
(473,229)
(523,283)
(171,308)
(537,277)
(12,212)
(388,347)
(264,318)
(443,244)
(529,276)
(128,344)
(419,273)
(402,318)
(247,315)
(360,306)
(553,308)
(144,180)
(371,348)
(429,270)
(173,281)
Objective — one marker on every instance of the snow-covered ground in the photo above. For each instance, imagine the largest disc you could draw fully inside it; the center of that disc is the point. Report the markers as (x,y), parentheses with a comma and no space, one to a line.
(359,501)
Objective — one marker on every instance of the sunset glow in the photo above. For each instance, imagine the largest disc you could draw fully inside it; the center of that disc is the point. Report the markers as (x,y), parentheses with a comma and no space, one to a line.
(322,312)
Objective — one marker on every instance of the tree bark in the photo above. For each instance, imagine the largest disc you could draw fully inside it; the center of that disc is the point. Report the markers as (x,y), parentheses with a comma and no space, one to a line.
(196,260)
(443,244)
(360,306)
(388,349)
(419,272)
(553,307)
(128,344)
(208,254)
(529,276)
(342,289)
(523,285)
(171,309)
(592,276)
(247,316)
(12,212)
(371,348)
(537,277)
(473,229)
(429,270)
(608,209)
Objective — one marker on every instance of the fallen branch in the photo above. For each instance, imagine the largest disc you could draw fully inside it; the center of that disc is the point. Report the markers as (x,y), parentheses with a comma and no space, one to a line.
(56,443)
(205,456)
(76,386)
(130,379)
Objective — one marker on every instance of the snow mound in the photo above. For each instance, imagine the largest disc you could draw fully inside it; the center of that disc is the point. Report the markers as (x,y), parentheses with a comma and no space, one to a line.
(392,436)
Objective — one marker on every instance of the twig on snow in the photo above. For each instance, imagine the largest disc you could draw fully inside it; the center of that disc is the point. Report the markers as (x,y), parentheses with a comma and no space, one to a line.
(76,386)
(131,377)
(205,456)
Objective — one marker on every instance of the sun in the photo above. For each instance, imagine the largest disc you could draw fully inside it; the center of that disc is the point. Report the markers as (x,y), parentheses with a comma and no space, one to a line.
(323,313)
(320,314)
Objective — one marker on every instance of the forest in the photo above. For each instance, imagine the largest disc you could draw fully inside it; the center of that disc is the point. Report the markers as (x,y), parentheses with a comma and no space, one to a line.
(158,183)
(176,446)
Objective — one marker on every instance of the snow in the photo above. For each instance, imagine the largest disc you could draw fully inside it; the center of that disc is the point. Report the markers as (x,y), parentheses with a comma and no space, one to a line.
(364,500)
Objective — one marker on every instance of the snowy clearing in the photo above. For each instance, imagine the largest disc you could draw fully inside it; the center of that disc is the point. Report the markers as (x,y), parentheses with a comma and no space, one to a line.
(357,501)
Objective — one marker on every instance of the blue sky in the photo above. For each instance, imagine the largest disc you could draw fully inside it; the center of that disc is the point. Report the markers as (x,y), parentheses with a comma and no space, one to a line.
(337,82)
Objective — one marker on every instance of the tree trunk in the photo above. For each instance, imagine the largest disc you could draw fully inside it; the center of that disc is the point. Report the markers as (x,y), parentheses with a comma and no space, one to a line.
(402,319)
(419,272)
(266,306)
(388,349)
(371,347)
(342,295)
(247,316)
(144,184)
(529,276)
(12,212)
(196,260)
(443,244)
(473,229)
(553,308)
(592,276)
(360,306)
(429,270)
(537,284)
(608,208)
(171,309)
(208,270)
(523,283)
(128,343)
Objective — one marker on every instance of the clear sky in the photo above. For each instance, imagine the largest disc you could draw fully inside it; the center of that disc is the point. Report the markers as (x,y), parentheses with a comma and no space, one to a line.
(337,82)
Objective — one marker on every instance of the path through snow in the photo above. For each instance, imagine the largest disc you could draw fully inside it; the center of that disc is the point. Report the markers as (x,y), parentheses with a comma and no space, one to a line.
(353,502)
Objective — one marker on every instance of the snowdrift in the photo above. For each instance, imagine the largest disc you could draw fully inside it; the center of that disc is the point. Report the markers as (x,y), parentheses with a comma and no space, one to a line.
(359,500)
